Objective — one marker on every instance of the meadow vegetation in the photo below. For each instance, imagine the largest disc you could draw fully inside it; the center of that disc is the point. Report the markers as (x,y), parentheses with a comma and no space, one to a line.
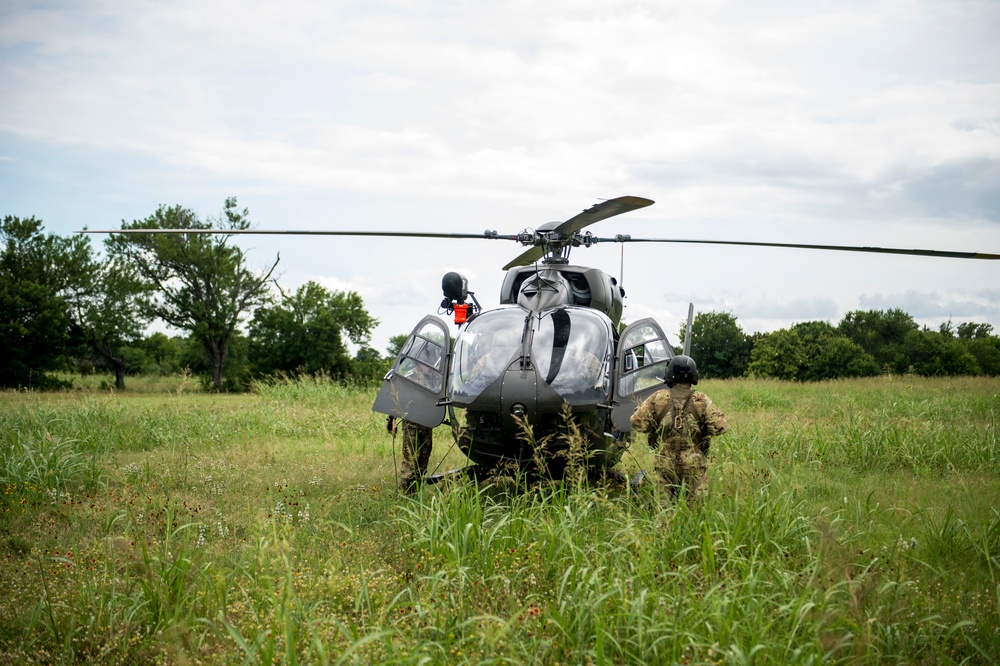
(853,521)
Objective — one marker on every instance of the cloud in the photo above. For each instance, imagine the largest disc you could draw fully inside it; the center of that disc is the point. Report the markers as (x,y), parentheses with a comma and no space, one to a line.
(968,188)
(973,304)
(420,98)
(790,121)
(799,309)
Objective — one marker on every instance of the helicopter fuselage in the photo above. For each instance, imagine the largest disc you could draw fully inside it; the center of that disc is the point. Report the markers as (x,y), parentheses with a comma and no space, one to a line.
(542,382)
(536,387)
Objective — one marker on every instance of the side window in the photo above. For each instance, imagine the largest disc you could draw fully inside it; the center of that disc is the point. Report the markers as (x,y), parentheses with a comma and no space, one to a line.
(644,356)
(421,358)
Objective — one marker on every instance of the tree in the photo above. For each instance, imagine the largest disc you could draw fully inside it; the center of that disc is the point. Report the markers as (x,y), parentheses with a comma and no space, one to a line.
(814,332)
(933,353)
(972,331)
(829,355)
(396,343)
(718,345)
(881,334)
(236,375)
(155,354)
(111,309)
(779,354)
(838,357)
(203,284)
(37,272)
(986,351)
(303,333)
(368,364)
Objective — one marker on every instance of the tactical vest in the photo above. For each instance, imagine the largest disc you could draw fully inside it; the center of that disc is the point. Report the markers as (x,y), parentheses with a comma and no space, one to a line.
(680,426)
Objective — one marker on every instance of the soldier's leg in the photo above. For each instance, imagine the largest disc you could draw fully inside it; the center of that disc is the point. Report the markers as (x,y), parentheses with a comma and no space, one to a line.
(665,463)
(693,473)
(416,454)
(425,442)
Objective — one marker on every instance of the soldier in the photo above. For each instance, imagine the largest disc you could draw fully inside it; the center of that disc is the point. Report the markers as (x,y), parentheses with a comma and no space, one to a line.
(685,421)
(418,442)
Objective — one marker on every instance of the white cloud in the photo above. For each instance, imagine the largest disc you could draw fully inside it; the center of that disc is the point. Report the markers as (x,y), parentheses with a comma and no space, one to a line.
(804,122)
(960,305)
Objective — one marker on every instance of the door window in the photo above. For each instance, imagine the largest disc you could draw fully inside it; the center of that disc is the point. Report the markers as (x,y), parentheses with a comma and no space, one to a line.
(422,356)
(645,354)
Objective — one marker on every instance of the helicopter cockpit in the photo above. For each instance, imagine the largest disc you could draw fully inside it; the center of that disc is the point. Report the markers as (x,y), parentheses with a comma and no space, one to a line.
(483,351)
(570,347)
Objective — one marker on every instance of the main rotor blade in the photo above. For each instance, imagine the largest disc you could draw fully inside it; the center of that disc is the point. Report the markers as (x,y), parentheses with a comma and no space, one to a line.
(804,246)
(598,212)
(527,257)
(302,232)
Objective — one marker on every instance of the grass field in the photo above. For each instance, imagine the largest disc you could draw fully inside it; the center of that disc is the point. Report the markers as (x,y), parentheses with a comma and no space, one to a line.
(848,522)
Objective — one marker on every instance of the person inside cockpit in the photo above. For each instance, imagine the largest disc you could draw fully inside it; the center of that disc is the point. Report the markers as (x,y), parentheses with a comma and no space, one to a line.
(488,358)
(583,370)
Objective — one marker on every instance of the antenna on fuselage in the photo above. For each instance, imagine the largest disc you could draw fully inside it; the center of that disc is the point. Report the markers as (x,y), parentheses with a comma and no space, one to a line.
(687,331)
(621,268)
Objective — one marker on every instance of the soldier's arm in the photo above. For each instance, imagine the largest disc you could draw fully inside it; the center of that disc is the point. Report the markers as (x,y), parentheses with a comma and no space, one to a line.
(715,420)
(643,418)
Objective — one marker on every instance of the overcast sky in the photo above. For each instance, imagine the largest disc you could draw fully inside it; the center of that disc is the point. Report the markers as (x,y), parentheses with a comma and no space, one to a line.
(854,123)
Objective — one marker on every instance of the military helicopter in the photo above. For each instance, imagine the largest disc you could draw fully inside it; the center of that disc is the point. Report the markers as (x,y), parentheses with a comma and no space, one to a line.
(553,347)
(548,367)
(550,353)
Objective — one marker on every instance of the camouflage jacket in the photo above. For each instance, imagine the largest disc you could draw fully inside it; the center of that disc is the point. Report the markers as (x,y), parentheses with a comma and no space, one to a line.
(680,417)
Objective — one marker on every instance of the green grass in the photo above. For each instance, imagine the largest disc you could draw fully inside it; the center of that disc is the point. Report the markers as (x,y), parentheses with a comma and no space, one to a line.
(848,522)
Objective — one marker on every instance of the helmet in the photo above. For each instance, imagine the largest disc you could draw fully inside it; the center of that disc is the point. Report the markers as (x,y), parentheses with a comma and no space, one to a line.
(681,370)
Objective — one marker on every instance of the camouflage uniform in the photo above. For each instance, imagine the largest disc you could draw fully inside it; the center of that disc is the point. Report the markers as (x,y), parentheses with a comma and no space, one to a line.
(685,421)
(417,444)
(417,439)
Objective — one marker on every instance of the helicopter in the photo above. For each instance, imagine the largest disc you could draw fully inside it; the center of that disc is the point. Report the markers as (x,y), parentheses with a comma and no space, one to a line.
(552,359)
(552,366)
(551,353)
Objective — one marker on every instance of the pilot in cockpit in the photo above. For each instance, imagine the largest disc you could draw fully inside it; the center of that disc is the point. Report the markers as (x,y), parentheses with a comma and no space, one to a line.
(488,358)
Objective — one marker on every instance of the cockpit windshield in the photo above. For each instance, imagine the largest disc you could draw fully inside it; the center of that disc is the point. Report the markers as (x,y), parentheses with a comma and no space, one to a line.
(572,351)
(484,350)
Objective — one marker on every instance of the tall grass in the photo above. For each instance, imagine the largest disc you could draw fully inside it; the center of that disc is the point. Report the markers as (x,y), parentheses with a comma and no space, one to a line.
(847,522)
(45,463)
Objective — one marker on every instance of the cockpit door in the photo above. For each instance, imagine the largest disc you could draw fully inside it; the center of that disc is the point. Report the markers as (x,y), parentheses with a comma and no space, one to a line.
(416,383)
(643,354)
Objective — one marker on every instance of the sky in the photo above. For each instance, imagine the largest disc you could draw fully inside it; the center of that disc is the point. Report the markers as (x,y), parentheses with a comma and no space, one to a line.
(849,123)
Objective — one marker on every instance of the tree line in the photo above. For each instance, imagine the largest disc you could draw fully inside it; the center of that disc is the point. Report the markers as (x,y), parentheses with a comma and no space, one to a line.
(63,307)
(864,343)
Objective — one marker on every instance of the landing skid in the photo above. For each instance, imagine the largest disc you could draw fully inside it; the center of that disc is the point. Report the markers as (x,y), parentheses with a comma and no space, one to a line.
(469,471)
(477,473)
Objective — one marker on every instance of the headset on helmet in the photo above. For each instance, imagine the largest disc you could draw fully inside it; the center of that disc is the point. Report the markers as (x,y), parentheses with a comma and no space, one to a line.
(681,370)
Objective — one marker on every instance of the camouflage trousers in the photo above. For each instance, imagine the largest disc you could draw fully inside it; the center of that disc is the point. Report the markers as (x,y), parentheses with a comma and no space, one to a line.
(687,468)
(417,444)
